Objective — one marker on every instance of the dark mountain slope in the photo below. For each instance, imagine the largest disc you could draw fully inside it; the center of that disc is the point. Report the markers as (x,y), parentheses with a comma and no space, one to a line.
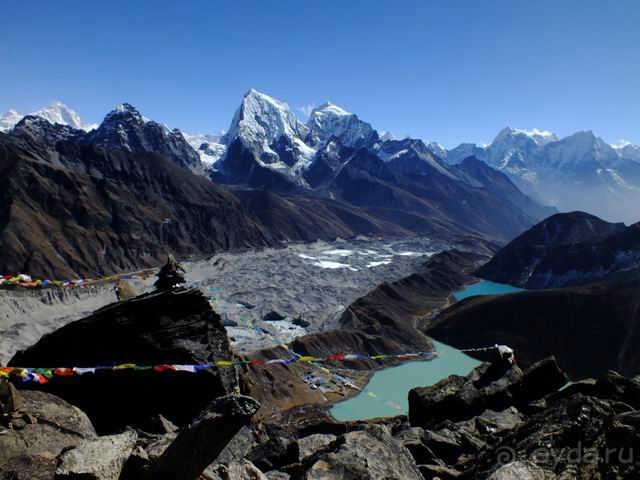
(465,202)
(566,249)
(395,308)
(82,210)
(126,129)
(49,133)
(310,218)
(590,329)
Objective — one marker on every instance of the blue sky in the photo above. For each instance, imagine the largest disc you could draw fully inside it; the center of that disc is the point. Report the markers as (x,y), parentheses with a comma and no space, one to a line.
(444,70)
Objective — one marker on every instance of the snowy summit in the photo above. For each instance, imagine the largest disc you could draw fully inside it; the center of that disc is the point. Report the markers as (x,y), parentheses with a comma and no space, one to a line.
(329,120)
(57,112)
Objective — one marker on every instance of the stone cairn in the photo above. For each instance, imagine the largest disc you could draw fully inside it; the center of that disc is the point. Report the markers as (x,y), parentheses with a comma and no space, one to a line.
(171,275)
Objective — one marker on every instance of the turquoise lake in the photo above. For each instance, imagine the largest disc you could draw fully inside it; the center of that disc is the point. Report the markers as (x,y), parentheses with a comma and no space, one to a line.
(485,287)
(391,385)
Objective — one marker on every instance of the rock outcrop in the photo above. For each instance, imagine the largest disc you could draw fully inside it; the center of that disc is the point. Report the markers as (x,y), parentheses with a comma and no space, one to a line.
(159,328)
(496,386)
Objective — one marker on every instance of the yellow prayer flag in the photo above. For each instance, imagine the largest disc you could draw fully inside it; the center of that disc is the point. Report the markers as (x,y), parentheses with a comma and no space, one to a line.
(224,363)
(124,366)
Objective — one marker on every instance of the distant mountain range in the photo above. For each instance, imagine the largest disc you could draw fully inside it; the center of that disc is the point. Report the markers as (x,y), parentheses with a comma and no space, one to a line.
(268,147)
(83,199)
(337,155)
(578,172)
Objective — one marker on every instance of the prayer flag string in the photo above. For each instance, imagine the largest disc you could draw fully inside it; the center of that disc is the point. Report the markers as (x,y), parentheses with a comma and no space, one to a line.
(26,281)
(44,374)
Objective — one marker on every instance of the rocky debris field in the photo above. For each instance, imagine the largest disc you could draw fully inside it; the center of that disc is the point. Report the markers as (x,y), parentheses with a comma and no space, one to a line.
(306,286)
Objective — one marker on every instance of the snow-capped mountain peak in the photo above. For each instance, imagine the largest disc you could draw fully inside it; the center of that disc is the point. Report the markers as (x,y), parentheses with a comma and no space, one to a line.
(330,120)
(332,108)
(520,136)
(387,136)
(125,128)
(124,111)
(437,149)
(580,148)
(57,112)
(541,137)
(629,151)
(9,120)
(261,120)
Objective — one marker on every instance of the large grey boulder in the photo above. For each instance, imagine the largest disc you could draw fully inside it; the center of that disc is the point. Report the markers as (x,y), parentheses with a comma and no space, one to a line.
(199,445)
(38,431)
(100,459)
(241,470)
(519,470)
(310,445)
(491,423)
(369,454)
(413,439)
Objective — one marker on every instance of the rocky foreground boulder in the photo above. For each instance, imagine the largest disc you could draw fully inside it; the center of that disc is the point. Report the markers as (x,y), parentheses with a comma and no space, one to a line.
(165,327)
(36,427)
(495,386)
(498,423)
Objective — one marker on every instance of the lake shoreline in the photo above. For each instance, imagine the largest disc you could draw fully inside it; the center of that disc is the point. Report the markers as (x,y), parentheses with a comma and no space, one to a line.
(472,288)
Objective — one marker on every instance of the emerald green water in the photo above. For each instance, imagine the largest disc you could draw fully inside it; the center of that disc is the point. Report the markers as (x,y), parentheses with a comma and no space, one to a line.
(485,287)
(391,385)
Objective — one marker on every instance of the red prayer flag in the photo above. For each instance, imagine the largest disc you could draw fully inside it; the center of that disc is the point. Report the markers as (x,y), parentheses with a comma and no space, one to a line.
(164,368)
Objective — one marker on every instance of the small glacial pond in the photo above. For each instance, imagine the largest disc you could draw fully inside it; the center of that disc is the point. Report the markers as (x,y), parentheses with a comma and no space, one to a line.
(485,287)
(391,386)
